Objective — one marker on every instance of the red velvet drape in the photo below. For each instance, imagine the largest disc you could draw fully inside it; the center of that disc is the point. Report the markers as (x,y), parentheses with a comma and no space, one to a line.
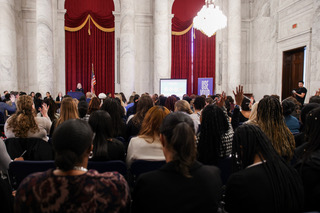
(83,50)
(181,63)
(204,58)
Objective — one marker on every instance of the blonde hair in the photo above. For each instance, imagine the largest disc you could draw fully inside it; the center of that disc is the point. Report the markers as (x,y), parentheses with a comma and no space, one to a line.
(68,110)
(183,106)
(23,121)
(253,114)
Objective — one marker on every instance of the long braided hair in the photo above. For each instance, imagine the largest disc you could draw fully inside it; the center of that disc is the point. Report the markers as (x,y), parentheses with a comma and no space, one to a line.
(214,125)
(270,119)
(249,141)
(23,120)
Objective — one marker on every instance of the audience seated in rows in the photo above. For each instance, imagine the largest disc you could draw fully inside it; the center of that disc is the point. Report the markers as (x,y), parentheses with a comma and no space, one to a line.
(183,184)
(263,181)
(70,187)
(147,145)
(24,123)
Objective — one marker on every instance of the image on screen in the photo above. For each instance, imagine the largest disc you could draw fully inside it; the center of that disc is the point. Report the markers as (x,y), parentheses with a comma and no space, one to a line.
(176,87)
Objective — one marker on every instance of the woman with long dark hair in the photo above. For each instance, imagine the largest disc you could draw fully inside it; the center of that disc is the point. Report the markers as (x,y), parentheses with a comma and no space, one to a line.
(263,181)
(116,111)
(215,140)
(105,147)
(135,122)
(309,164)
(271,121)
(183,184)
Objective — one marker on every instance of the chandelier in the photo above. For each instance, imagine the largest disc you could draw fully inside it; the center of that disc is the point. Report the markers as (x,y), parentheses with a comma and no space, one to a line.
(209,19)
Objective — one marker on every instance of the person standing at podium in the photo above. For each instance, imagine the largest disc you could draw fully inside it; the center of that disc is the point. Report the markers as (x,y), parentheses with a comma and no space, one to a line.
(79,88)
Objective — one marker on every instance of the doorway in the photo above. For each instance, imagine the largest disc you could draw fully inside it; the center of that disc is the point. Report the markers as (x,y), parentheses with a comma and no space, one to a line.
(292,70)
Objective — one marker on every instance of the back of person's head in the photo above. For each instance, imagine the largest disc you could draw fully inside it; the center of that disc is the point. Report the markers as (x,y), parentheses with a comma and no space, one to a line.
(306,109)
(71,142)
(162,100)
(88,95)
(182,106)
(199,103)
(209,101)
(250,142)
(178,130)
(131,99)
(169,104)
(38,95)
(82,108)
(288,107)
(312,131)
(38,104)
(230,99)
(52,108)
(116,111)
(7,96)
(123,97)
(314,99)
(270,120)
(68,110)
(245,104)
(151,123)
(23,120)
(214,125)
(144,104)
(276,96)
(187,98)
(94,105)
(101,124)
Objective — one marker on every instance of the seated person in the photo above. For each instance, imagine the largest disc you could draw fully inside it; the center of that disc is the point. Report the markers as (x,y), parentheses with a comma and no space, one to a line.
(147,145)
(264,181)
(24,123)
(308,165)
(291,122)
(105,147)
(183,184)
(71,187)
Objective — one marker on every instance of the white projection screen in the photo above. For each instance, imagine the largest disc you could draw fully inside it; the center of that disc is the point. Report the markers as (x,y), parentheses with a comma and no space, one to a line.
(176,87)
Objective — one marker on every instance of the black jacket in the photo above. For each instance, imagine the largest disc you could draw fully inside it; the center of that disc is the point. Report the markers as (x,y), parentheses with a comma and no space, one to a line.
(166,190)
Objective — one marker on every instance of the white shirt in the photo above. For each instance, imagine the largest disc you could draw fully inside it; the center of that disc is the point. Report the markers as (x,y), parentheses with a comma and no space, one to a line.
(140,149)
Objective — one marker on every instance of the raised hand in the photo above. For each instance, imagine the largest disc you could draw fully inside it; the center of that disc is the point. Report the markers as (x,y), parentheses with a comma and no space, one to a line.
(238,95)
(222,99)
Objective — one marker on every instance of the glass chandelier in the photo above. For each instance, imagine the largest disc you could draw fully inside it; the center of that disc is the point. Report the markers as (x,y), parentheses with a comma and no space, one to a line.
(209,19)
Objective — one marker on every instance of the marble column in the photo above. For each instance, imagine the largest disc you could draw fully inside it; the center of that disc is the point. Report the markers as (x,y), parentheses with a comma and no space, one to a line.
(161,42)
(8,47)
(127,47)
(234,45)
(44,44)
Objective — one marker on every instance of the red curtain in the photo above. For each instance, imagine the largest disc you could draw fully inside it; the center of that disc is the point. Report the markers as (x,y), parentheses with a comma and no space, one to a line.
(181,63)
(204,58)
(83,50)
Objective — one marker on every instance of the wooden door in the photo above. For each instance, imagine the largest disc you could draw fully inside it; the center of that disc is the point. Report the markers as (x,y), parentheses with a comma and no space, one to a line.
(292,71)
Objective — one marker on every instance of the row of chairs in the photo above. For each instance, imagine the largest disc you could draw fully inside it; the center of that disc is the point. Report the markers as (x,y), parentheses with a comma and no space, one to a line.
(18,170)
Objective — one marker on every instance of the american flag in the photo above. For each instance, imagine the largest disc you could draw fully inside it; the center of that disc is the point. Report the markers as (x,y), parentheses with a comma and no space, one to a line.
(93,81)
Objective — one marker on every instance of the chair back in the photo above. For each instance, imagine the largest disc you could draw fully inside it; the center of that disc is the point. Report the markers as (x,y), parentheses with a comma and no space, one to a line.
(225,165)
(36,148)
(18,170)
(139,167)
(108,166)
